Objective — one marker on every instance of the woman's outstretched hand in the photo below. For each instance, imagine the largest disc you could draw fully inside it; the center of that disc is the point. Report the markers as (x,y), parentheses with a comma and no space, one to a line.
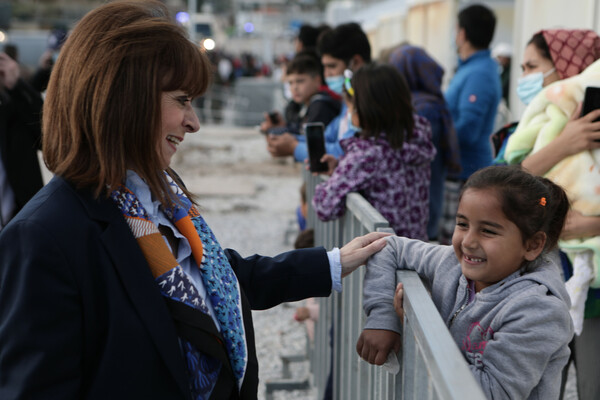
(356,252)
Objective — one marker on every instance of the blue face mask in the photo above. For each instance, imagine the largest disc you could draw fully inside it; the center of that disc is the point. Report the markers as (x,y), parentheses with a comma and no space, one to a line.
(351,126)
(335,83)
(529,86)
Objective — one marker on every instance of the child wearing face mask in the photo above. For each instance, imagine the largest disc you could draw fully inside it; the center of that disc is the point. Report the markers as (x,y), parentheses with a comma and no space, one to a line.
(388,159)
(497,288)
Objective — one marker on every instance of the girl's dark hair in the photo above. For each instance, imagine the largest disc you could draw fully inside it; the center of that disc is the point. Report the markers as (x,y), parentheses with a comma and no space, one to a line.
(102,113)
(531,202)
(540,43)
(383,103)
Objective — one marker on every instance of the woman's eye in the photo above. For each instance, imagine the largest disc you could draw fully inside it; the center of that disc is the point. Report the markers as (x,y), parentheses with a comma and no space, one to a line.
(183,100)
(488,232)
(461,224)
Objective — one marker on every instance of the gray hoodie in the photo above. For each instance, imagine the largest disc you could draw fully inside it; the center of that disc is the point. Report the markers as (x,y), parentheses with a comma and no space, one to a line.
(514,334)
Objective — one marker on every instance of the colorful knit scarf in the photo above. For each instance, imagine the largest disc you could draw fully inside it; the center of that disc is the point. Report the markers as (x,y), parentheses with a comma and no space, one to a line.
(218,278)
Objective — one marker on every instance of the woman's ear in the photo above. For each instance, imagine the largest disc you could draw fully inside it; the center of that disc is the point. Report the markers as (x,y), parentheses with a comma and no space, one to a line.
(535,245)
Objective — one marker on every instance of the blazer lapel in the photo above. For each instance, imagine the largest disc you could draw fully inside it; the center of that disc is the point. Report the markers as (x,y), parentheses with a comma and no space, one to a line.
(139,284)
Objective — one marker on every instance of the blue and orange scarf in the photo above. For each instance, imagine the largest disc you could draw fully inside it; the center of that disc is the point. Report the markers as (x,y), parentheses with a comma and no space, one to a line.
(218,278)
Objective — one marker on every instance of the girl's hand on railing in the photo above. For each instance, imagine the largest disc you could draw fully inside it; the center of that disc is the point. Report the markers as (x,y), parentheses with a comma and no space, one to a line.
(331,161)
(374,345)
(398,299)
(358,250)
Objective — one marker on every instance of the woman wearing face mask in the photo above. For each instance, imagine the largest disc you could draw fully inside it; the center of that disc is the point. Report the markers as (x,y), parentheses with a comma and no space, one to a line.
(552,56)
(544,50)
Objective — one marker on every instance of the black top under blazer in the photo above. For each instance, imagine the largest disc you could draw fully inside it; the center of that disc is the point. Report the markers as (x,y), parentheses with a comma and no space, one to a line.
(81,316)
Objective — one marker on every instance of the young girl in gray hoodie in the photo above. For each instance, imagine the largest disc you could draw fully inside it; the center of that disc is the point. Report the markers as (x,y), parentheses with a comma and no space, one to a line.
(497,288)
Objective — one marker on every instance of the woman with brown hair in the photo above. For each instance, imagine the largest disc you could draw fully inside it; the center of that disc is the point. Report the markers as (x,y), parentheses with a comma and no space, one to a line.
(112,285)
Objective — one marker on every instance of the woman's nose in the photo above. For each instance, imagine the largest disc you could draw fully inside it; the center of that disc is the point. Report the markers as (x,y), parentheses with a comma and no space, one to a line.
(191,122)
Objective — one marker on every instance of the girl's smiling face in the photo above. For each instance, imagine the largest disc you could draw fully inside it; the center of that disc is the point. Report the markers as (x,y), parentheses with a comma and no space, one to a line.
(487,244)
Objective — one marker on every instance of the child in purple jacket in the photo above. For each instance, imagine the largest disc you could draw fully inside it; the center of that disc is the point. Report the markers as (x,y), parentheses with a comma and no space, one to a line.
(388,160)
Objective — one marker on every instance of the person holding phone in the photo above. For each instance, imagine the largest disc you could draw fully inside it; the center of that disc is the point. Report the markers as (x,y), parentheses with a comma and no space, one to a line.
(344,47)
(550,57)
(112,285)
(314,101)
(388,160)
(315,138)
(424,78)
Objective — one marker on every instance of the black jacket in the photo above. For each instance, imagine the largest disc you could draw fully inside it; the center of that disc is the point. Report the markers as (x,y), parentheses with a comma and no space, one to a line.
(81,316)
(20,138)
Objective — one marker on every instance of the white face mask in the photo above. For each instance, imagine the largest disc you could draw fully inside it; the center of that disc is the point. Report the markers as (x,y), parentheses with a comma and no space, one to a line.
(529,86)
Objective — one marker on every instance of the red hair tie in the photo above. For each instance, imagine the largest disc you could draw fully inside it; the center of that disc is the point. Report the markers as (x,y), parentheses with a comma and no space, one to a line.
(543,201)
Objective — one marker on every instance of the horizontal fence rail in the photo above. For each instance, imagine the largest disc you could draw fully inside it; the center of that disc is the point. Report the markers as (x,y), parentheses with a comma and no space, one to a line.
(432,366)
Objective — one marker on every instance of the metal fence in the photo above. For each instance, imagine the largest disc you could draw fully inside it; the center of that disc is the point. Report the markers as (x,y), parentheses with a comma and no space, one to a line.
(432,366)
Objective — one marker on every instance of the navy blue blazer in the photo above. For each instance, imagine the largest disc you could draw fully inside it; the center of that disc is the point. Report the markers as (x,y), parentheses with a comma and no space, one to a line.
(82,317)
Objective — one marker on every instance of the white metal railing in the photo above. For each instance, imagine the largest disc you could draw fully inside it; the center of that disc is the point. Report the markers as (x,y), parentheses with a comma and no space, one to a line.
(432,366)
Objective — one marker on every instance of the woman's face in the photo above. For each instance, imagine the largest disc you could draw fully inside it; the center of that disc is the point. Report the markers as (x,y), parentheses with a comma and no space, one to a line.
(178,118)
(533,61)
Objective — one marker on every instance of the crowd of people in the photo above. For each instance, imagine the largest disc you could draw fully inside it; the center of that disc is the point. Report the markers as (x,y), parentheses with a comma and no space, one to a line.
(431,163)
(113,285)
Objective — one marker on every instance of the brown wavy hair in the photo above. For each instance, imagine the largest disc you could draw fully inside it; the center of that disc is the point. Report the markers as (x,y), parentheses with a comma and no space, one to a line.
(102,112)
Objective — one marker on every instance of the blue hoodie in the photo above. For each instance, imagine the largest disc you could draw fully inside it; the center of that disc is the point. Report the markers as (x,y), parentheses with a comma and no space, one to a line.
(514,334)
